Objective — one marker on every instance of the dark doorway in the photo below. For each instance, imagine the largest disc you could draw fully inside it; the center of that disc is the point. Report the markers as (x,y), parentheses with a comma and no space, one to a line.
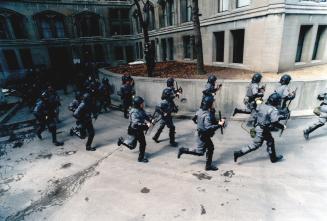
(61,66)
(238,45)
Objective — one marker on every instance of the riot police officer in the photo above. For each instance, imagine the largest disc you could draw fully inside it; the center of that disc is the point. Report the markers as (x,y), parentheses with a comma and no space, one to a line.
(165,109)
(83,114)
(104,95)
(267,117)
(139,122)
(322,113)
(45,114)
(254,93)
(72,107)
(127,92)
(210,87)
(207,124)
(53,99)
(286,94)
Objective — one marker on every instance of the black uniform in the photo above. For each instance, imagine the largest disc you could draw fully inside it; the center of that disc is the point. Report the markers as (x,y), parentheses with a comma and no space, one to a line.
(104,95)
(136,128)
(267,118)
(46,117)
(72,107)
(83,114)
(166,108)
(127,92)
(207,124)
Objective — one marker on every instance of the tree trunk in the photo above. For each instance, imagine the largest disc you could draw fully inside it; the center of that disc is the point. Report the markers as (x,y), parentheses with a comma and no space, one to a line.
(197,37)
(148,47)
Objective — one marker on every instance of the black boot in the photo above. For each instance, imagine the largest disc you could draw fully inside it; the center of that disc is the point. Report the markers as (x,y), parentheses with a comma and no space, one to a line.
(120,141)
(157,135)
(181,151)
(54,139)
(307,132)
(89,148)
(273,157)
(209,165)
(173,143)
(238,154)
(236,111)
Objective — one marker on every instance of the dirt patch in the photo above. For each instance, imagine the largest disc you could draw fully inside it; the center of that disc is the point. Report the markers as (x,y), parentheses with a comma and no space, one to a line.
(202,176)
(228,174)
(188,71)
(66,165)
(182,70)
(44,156)
(203,210)
(145,190)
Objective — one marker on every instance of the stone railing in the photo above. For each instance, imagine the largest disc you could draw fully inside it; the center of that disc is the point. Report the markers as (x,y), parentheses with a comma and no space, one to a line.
(230,96)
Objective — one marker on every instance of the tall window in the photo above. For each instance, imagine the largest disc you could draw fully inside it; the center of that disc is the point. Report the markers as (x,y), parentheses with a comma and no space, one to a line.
(50,25)
(149,15)
(3,28)
(186,10)
(189,47)
(318,43)
(238,45)
(166,13)
(220,45)
(119,21)
(302,42)
(88,24)
(242,3)
(223,5)
(26,58)
(12,25)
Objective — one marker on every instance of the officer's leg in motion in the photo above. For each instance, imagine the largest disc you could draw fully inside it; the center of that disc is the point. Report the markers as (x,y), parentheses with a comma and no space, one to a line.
(204,145)
(141,139)
(162,125)
(53,130)
(172,132)
(321,122)
(126,104)
(90,132)
(40,128)
(261,135)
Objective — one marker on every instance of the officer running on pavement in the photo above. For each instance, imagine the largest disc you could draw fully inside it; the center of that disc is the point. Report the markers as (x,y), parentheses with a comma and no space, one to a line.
(83,114)
(267,117)
(207,124)
(322,113)
(210,87)
(139,122)
(254,94)
(45,113)
(286,94)
(126,93)
(165,109)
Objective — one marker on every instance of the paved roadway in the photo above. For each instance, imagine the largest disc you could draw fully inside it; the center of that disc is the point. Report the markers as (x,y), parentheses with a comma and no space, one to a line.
(39,181)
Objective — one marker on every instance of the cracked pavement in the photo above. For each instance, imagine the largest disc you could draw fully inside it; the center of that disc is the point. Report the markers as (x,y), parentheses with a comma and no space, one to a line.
(39,181)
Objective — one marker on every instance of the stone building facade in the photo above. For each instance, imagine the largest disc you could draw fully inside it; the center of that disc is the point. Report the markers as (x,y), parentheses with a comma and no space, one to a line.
(259,35)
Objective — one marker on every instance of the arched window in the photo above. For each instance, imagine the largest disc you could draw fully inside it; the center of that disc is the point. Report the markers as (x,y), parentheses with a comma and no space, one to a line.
(186,10)
(149,16)
(87,24)
(136,20)
(50,24)
(12,25)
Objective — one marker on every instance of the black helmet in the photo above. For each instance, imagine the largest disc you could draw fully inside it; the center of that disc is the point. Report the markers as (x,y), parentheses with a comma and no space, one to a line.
(137,101)
(285,79)
(167,94)
(274,99)
(170,82)
(256,78)
(212,79)
(207,102)
(124,79)
(44,96)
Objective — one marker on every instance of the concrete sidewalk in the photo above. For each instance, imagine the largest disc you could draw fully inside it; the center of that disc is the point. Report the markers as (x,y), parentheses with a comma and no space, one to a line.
(39,181)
